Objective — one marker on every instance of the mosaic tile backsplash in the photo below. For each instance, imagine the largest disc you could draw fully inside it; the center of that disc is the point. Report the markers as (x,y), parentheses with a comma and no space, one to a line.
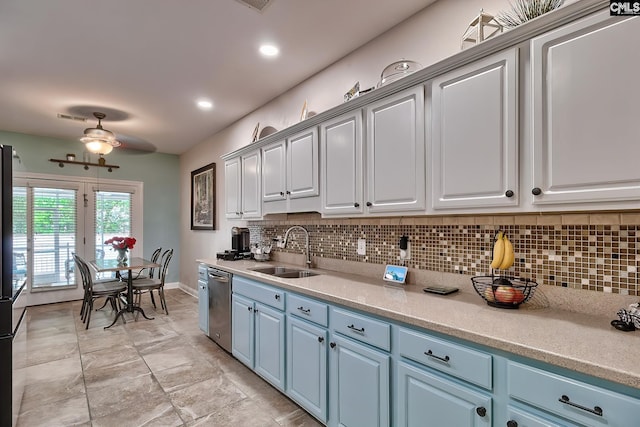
(603,258)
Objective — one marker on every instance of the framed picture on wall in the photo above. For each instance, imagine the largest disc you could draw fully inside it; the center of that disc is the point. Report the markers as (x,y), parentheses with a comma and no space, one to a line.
(203,198)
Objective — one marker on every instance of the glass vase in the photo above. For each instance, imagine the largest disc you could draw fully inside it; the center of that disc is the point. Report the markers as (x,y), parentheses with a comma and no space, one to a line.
(122,257)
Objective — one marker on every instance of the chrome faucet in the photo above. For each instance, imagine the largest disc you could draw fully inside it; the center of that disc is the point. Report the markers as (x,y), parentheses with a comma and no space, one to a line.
(306,243)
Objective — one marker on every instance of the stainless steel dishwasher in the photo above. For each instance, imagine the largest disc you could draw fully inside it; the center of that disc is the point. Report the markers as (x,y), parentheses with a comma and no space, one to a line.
(219,284)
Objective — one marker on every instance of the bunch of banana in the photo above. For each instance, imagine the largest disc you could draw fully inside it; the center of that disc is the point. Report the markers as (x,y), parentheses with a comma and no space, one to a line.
(503,254)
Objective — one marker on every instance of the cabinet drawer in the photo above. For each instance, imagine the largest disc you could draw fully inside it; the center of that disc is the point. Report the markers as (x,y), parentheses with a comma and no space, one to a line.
(453,359)
(526,419)
(580,402)
(361,328)
(265,294)
(308,309)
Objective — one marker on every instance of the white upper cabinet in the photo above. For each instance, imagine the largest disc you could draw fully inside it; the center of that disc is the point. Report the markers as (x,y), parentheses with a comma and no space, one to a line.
(395,152)
(586,142)
(290,174)
(232,196)
(302,164)
(474,138)
(242,186)
(251,200)
(274,178)
(341,165)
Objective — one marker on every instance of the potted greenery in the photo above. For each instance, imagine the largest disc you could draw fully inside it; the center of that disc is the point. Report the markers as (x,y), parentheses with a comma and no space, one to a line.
(525,10)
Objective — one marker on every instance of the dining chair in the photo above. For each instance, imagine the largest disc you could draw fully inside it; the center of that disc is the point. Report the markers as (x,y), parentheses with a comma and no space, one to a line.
(139,274)
(141,286)
(110,290)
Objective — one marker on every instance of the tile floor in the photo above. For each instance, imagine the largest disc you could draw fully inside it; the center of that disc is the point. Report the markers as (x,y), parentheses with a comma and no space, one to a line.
(161,372)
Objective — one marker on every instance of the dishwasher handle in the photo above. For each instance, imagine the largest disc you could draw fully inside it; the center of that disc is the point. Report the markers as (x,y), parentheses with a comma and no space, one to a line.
(221,279)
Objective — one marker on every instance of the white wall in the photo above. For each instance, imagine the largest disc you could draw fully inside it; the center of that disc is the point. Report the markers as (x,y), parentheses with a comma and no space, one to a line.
(427,37)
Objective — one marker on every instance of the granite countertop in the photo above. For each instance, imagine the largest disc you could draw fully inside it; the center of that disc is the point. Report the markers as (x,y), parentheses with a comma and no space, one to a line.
(580,342)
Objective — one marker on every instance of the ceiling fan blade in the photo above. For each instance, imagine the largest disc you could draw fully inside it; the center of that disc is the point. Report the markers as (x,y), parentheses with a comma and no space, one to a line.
(134,145)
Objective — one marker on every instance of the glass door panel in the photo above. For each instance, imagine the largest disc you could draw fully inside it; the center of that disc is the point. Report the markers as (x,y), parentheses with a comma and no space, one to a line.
(54,224)
(112,218)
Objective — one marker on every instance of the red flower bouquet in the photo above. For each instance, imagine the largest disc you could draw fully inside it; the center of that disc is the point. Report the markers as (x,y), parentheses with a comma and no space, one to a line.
(121,242)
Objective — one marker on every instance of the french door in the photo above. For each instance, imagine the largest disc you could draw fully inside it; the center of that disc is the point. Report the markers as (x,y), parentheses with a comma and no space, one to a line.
(55,217)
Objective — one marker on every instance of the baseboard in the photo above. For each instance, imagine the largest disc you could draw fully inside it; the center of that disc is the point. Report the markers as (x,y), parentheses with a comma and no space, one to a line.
(183,288)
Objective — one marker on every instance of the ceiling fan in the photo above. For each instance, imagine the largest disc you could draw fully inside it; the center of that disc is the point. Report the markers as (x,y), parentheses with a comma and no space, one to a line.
(102,141)
(99,140)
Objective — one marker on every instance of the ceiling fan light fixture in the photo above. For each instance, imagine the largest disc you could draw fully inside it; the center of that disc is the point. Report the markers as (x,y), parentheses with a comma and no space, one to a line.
(98,147)
(99,140)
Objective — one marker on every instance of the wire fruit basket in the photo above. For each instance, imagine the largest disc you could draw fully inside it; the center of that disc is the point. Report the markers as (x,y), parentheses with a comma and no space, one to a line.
(504,292)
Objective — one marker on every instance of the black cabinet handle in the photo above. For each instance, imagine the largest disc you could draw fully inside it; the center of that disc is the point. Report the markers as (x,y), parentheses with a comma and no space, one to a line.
(596,409)
(356,205)
(332,345)
(512,423)
(249,308)
(305,311)
(536,191)
(282,193)
(288,192)
(482,411)
(354,329)
(255,311)
(320,339)
(277,297)
(237,213)
(443,359)
(509,193)
(369,204)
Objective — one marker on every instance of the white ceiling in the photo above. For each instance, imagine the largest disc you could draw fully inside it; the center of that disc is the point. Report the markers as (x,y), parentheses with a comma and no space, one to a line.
(145,62)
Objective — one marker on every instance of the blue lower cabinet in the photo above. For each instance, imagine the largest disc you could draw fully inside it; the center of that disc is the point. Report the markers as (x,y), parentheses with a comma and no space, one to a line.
(242,339)
(257,338)
(307,366)
(427,400)
(359,384)
(582,403)
(269,345)
(203,307)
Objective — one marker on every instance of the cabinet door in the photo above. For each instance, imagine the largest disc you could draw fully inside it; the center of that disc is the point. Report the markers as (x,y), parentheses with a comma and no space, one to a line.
(251,198)
(341,164)
(474,159)
(273,172)
(242,329)
(396,153)
(307,366)
(232,197)
(269,345)
(302,164)
(427,400)
(585,112)
(203,307)
(359,381)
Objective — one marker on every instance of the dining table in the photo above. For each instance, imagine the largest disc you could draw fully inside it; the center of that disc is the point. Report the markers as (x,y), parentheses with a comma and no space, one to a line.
(134,263)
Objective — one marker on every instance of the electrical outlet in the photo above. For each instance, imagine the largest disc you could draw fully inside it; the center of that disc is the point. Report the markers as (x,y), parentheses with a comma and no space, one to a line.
(362,247)
(405,254)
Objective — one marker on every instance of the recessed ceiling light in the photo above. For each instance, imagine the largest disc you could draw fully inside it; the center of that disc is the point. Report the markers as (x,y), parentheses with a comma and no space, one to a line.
(269,50)
(203,104)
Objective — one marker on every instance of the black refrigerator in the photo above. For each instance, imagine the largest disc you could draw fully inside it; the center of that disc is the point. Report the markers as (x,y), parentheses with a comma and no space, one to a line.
(12,304)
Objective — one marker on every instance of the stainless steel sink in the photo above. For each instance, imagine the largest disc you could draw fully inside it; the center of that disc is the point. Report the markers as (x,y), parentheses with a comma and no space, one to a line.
(284,272)
(296,274)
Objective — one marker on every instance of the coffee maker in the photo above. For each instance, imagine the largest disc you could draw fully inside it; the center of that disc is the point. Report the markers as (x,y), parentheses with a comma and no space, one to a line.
(240,239)
(240,245)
